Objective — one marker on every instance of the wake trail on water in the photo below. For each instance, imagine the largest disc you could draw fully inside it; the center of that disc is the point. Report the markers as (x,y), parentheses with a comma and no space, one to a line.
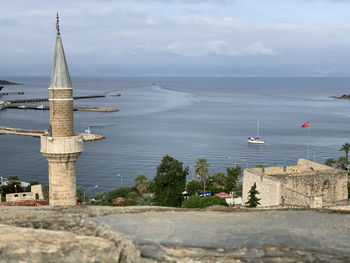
(157,99)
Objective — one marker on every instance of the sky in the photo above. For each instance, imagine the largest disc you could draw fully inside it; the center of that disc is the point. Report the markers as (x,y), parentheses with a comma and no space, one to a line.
(239,38)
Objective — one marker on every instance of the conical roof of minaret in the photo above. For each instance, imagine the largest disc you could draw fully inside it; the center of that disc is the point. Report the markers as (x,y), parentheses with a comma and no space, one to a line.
(60,77)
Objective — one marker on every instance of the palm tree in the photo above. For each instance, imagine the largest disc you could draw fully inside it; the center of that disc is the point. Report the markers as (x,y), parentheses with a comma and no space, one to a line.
(346,148)
(202,169)
(141,183)
(330,162)
(342,161)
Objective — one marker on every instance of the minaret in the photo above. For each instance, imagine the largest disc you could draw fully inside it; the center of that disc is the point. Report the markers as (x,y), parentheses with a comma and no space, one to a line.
(61,146)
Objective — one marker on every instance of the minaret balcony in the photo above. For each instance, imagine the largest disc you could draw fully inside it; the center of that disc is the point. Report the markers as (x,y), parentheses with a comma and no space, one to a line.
(61,145)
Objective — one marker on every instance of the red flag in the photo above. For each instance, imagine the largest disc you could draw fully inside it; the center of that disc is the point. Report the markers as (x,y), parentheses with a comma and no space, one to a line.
(306,124)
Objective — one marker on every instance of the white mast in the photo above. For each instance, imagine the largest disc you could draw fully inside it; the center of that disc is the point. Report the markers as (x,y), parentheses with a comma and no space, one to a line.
(257,129)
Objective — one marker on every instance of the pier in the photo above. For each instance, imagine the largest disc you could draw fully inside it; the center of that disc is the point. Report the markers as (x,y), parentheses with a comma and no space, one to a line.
(38,133)
(47,99)
(11,93)
(47,107)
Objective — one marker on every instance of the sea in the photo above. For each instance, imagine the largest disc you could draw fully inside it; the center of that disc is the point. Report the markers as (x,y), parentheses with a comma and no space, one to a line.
(184,117)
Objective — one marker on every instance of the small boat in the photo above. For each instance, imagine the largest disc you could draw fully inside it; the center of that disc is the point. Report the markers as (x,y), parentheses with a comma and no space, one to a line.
(256,140)
(2,105)
(87,131)
(41,107)
(116,94)
(22,107)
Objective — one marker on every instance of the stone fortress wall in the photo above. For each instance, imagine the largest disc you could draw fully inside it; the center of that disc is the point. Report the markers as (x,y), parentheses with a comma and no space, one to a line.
(307,184)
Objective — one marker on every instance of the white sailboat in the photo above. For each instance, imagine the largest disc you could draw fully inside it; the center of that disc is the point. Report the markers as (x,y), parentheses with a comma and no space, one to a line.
(256,140)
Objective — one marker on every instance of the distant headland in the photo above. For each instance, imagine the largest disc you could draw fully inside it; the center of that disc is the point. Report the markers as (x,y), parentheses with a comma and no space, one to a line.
(5,82)
(343,97)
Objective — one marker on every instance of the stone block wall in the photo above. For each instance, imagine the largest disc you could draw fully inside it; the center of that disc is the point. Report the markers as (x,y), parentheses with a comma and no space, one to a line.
(331,184)
(308,164)
(62,183)
(19,197)
(61,145)
(268,187)
(38,192)
(61,112)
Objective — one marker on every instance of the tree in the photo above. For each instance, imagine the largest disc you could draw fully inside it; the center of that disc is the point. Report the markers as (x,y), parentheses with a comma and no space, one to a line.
(193,187)
(145,200)
(29,187)
(170,182)
(330,162)
(217,183)
(342,161)
(13,178)
(107,198)
(14,186)
(346,148)
(81,197)
(232,178)
(202,202)
(202,169)
(253,201)
(141,183)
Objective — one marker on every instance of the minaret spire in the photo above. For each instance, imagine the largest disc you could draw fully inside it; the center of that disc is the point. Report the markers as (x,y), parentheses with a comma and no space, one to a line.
(58,24)
(62,146)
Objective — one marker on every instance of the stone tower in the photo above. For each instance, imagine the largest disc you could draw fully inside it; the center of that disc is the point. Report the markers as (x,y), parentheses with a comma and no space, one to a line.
(61,146)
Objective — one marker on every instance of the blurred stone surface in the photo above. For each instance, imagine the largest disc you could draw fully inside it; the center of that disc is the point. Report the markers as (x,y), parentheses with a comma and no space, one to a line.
(161,234)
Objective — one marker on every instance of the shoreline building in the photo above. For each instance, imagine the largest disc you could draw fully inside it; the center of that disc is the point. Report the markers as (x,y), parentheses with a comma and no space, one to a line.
(61,146)
(307,184)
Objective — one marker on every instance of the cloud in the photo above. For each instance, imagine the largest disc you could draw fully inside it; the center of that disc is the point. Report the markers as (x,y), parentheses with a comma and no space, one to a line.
(258,48)
(218,48)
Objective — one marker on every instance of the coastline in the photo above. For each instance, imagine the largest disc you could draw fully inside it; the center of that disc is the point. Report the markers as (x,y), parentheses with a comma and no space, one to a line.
(9,83)
(343,97)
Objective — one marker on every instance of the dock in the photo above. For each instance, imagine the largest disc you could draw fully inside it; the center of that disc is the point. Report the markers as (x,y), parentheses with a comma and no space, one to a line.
(38,133)
(11,93)
(47,99)
(47,107)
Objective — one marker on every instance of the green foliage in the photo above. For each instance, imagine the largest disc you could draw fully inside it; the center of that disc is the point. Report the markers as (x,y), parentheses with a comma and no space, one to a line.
(170,182)
(330,162)
(81,197)
(107,198)
(253,201)
(217,183)
(14,186)
(259,166)
(13,178)
(238,189)
(346,148)
(132,195)
(232,178)
(29,187)
(128,202)
(193,187)
(145,200)
(342,161)
(198,202)
(202,170)
(213,200)
(141,183)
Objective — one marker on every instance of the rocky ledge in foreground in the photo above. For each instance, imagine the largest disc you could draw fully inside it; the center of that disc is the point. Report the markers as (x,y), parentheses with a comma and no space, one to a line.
(5,82)
(161,234)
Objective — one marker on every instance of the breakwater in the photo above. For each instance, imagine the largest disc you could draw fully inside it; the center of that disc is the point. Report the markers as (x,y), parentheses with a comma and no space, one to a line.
(38,133)
(47,99)
(11,93)
(46,107)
